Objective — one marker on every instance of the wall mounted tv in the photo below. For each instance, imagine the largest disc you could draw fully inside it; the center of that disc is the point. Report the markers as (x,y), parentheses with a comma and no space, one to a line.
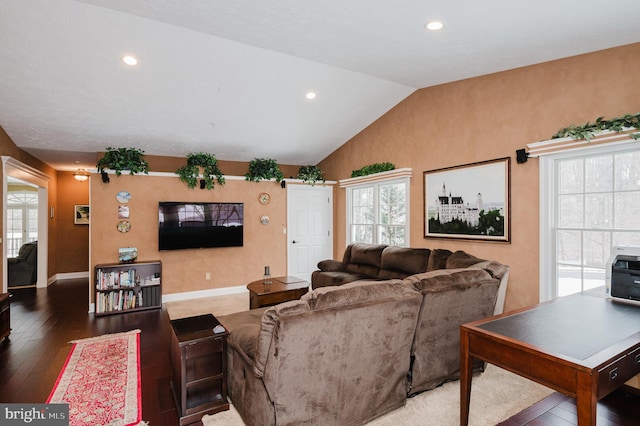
(186,225)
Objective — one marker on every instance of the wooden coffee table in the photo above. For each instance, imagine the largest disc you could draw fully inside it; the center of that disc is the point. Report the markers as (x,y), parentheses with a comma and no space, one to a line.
(281,289)
(580,345)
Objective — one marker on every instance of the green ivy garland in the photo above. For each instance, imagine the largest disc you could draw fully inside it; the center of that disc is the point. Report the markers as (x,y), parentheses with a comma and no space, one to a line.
(373,168)
(588,130)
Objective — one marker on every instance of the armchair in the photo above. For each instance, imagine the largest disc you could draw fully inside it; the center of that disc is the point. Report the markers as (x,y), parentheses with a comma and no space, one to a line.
(23,270)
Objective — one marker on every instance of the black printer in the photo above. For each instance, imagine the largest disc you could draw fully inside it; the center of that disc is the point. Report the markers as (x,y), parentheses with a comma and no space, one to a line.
(625,275)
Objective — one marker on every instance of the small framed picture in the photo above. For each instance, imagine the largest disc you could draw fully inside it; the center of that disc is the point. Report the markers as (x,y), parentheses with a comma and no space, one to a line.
(81,214)
(123,212)
(127,254)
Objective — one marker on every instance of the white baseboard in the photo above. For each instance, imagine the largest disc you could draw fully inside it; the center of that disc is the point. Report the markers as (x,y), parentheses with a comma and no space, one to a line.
(187,295)
(67,276)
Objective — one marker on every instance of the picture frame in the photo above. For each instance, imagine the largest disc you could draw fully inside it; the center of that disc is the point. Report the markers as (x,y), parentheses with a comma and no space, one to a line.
(470,201)
(81,214)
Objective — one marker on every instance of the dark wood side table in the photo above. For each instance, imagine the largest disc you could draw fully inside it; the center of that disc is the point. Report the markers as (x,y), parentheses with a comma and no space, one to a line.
(199,360)
(281,289)
(5,315)
(580,345)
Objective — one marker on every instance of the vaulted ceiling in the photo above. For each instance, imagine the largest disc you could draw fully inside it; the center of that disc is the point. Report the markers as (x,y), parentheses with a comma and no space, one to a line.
(230,77)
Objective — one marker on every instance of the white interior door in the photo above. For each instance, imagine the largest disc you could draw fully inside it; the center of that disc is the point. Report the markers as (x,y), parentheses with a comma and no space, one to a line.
(310,228)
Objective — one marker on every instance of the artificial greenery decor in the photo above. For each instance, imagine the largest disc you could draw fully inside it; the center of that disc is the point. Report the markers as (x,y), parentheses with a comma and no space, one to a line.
(264,169)
(310,174)
(119,159)
(373,168)
(588,130)
(201,163)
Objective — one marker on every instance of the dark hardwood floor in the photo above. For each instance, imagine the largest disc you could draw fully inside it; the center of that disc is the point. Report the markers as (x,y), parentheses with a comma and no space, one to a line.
(45,320)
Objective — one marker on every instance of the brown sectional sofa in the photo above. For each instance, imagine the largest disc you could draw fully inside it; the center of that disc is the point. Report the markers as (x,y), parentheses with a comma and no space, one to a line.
(345,354)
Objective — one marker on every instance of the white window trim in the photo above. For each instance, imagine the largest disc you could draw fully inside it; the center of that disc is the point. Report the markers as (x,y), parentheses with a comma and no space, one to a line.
(397,175)
(547,171)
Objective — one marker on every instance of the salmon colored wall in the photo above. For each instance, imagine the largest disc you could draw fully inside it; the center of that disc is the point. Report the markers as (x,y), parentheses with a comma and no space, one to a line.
(486,118)
(74,239)
(184,270)
(9,148)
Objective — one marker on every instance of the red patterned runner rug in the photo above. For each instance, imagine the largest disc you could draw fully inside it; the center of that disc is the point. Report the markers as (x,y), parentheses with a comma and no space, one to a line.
(101,381)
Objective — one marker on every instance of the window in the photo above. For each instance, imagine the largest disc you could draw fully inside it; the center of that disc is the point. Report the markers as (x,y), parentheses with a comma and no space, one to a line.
(378,212)
(22,220)
(592,199)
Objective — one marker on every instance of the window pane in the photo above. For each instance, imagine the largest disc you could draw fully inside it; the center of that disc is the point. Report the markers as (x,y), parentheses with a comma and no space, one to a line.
(627,207)
(378,213)
(626,239)
(627,171)
(568,246)
(598,211)
(391,235)
(597,248)
(570,176)
(392,204)
(363,205)
(362,234)
(593,278)
(570,211)
(569,280)
(598,174)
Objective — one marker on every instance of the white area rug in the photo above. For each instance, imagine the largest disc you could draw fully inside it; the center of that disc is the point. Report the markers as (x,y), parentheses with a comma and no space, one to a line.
(496,395)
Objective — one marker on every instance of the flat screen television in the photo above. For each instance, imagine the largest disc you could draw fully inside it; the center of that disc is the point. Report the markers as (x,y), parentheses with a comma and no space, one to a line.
(187,225)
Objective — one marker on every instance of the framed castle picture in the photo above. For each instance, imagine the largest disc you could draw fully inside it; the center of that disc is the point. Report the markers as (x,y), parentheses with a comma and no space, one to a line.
(469,202)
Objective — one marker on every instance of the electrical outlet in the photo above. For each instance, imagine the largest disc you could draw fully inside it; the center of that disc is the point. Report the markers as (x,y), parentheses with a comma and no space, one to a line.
(207,276)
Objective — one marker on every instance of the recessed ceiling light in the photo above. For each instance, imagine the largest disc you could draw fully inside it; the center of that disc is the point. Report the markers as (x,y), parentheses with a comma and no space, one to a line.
(129,60)
(434,25)
(310,95)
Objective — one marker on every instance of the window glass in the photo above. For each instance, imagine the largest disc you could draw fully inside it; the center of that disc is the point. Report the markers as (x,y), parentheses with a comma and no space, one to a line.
(597,204)
(379,213)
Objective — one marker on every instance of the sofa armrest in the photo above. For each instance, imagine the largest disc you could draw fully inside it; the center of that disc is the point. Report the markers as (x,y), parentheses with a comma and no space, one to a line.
(331,265)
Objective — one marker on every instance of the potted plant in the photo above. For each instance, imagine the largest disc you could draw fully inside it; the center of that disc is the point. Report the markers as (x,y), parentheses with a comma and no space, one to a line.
(264,169)
(310,174)
(373,168)
(197,163)
(119,159)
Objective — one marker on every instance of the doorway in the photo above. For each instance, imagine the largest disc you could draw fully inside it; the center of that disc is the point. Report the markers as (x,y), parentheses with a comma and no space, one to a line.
(310,228)
(15,170)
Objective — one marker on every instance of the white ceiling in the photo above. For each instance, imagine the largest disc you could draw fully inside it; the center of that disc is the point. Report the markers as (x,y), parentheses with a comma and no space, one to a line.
(229,76)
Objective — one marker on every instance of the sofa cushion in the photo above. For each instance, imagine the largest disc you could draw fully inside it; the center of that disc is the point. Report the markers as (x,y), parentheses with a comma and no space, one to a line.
(399,262)
(245,337)
(461,259)
(495,269)
(365,259)
(324,279)
(438,259)
(268,327)
(331,265)
(356,292)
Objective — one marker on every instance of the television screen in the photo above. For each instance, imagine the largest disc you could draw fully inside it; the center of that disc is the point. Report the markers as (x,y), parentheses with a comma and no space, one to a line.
(185,225)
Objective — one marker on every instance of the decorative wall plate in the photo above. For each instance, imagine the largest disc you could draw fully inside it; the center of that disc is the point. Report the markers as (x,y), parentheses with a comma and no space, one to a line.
(264,198)
(124,226)
(123,197)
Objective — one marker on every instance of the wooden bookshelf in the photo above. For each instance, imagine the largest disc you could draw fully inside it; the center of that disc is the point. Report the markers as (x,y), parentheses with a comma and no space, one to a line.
(127,287)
